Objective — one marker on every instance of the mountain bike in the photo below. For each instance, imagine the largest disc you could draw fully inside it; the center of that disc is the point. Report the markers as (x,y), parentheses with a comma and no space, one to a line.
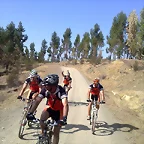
(47,137)
(24,121)
(48,133)
(94,115)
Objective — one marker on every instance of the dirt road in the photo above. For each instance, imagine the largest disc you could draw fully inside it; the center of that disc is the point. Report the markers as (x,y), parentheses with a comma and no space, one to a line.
(78,130)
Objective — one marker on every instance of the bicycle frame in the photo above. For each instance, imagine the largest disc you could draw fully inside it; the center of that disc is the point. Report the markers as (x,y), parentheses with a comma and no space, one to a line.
(47,139)
(94,115)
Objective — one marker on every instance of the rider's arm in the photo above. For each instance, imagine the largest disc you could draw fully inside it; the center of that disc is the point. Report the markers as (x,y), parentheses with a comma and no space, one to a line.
(68,72)
(101,90)
(23,88)
(63,74)
(70,82)
(89,91)
(37,101)
(88,96)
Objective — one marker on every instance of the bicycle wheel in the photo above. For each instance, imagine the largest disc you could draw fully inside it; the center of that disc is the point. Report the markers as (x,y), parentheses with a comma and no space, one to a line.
(44,140)
(23,122)
(93,122)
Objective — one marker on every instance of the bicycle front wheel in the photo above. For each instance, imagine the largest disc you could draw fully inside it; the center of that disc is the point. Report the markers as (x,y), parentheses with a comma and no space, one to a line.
(23,122)
(93,122)
(43,141)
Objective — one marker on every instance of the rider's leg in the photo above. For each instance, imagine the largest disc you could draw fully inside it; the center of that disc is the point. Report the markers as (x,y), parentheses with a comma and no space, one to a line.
(97,102)
(29,96)
(89,108)
(56,134)
(57,115)
(44,117)
(102,95)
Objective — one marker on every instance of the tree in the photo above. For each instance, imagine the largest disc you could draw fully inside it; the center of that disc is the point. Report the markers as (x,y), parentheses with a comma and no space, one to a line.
(32,51)
(132,29)
(97,41)
(140,37)
(54,45)
(21,37)
(43,49)
(76,46)
(27,53)
(85,45)
(66,42)
(116,40)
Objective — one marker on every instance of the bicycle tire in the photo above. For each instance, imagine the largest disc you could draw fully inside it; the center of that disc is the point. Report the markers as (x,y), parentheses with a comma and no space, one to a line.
(23,122)
(44,141)
(94,119)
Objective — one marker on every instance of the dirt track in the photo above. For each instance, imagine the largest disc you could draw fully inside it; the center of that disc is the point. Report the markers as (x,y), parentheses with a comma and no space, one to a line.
(78,130)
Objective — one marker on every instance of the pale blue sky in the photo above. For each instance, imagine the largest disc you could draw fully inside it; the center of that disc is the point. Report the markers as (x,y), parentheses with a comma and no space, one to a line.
(41,18)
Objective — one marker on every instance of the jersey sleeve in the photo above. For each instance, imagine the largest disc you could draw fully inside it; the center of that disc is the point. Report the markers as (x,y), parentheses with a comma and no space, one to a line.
(62,93)
(42,93)
(70,79)
(90,86)
(101,87)
(40,81)
(27,81)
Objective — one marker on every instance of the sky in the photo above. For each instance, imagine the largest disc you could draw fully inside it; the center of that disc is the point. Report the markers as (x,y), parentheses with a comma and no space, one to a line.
(41,18)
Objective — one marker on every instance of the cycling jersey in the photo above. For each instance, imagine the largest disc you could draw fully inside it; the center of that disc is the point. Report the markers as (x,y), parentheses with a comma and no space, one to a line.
(95,90)
(67,80)
(34,85)
(54,100)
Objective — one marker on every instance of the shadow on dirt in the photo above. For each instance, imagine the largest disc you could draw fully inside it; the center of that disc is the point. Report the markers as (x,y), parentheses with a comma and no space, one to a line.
(104,129)
(3,87)
(74,128)
(30,136)
(78,103)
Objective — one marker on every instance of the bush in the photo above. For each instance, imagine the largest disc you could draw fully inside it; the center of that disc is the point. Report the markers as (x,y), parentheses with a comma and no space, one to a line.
(96,60)
(135,66)
(13,78)
(103,77)
(81,61)
(28,65)
(74,61)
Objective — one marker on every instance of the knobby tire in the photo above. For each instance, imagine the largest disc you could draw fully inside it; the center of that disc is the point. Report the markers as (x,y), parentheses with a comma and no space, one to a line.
(94,119)
(22,125)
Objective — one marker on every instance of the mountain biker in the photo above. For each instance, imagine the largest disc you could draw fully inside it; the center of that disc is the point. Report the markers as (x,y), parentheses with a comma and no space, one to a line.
(94,93)
(34,81)
(67,81)
(57,105)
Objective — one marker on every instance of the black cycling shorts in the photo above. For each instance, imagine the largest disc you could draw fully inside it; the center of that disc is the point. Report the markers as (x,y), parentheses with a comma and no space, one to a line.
(55,115)
(94,97)
(31,94)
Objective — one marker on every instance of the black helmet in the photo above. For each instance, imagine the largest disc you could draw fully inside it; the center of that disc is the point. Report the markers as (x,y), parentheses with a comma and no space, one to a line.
(52,79)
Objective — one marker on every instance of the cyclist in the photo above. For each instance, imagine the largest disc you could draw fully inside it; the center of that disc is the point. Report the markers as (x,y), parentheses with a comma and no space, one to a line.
(34,81)
(57,105)
(94,93)
(67,81)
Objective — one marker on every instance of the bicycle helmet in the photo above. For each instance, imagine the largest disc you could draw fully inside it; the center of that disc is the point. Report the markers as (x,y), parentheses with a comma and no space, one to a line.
(96,80)
(33,73)
(52,79)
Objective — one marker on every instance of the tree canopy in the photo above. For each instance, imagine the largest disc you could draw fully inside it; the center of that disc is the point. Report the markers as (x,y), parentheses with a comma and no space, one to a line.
(125,40)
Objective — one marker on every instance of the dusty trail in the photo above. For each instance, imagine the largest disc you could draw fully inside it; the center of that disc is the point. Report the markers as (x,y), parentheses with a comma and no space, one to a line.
(78,130)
